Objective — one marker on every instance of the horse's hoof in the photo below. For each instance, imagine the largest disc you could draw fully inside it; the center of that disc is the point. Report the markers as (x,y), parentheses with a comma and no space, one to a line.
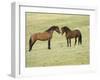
(29,50)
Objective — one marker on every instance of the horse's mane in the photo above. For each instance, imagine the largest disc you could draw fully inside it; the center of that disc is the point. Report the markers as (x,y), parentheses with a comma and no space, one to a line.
(66,28)
(51,28)
(48,29)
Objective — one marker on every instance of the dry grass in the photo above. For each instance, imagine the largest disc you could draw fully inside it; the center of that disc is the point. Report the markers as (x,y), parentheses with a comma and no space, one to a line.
(59,54)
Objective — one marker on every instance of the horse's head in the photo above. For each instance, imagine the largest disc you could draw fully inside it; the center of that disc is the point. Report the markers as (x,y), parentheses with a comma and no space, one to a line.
(64,29)
(56,28)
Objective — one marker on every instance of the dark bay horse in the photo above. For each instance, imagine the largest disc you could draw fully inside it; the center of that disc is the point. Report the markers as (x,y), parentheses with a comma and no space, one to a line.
(44,36)
(69,34)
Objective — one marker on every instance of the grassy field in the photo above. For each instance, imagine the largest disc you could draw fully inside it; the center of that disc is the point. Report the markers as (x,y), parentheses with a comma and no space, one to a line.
(59,54)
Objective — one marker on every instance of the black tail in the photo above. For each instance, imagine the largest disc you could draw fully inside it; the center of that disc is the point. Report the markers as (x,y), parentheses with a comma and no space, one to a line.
(30,44)
(80,39)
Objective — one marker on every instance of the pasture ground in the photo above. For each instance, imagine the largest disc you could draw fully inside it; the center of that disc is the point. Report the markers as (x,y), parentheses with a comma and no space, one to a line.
(59,54)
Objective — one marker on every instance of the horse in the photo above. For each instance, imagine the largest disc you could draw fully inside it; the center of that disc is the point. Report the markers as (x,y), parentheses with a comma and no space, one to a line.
(69,34)
(43,36)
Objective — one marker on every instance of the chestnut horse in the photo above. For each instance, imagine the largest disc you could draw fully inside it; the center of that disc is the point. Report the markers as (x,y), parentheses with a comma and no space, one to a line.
(69,34)
(44,36)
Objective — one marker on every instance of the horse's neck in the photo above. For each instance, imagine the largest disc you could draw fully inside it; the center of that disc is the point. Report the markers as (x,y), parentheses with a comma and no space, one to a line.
(67,32)
(49,31)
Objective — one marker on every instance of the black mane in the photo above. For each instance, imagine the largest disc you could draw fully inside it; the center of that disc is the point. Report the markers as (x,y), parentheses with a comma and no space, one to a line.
(65,28)
(51,28)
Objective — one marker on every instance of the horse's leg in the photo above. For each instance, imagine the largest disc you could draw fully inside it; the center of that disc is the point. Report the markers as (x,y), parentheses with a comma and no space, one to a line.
(49,44)
(75,41)
(31,44)
(67,42)
(70,42)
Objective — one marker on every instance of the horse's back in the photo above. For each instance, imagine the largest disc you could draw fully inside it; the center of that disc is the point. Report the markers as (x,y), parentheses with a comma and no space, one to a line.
(73,34)
(41,36)
(77,32)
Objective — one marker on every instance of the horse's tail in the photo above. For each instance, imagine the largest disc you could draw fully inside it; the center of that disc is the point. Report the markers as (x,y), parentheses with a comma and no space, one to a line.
(80,38)
(30,43)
